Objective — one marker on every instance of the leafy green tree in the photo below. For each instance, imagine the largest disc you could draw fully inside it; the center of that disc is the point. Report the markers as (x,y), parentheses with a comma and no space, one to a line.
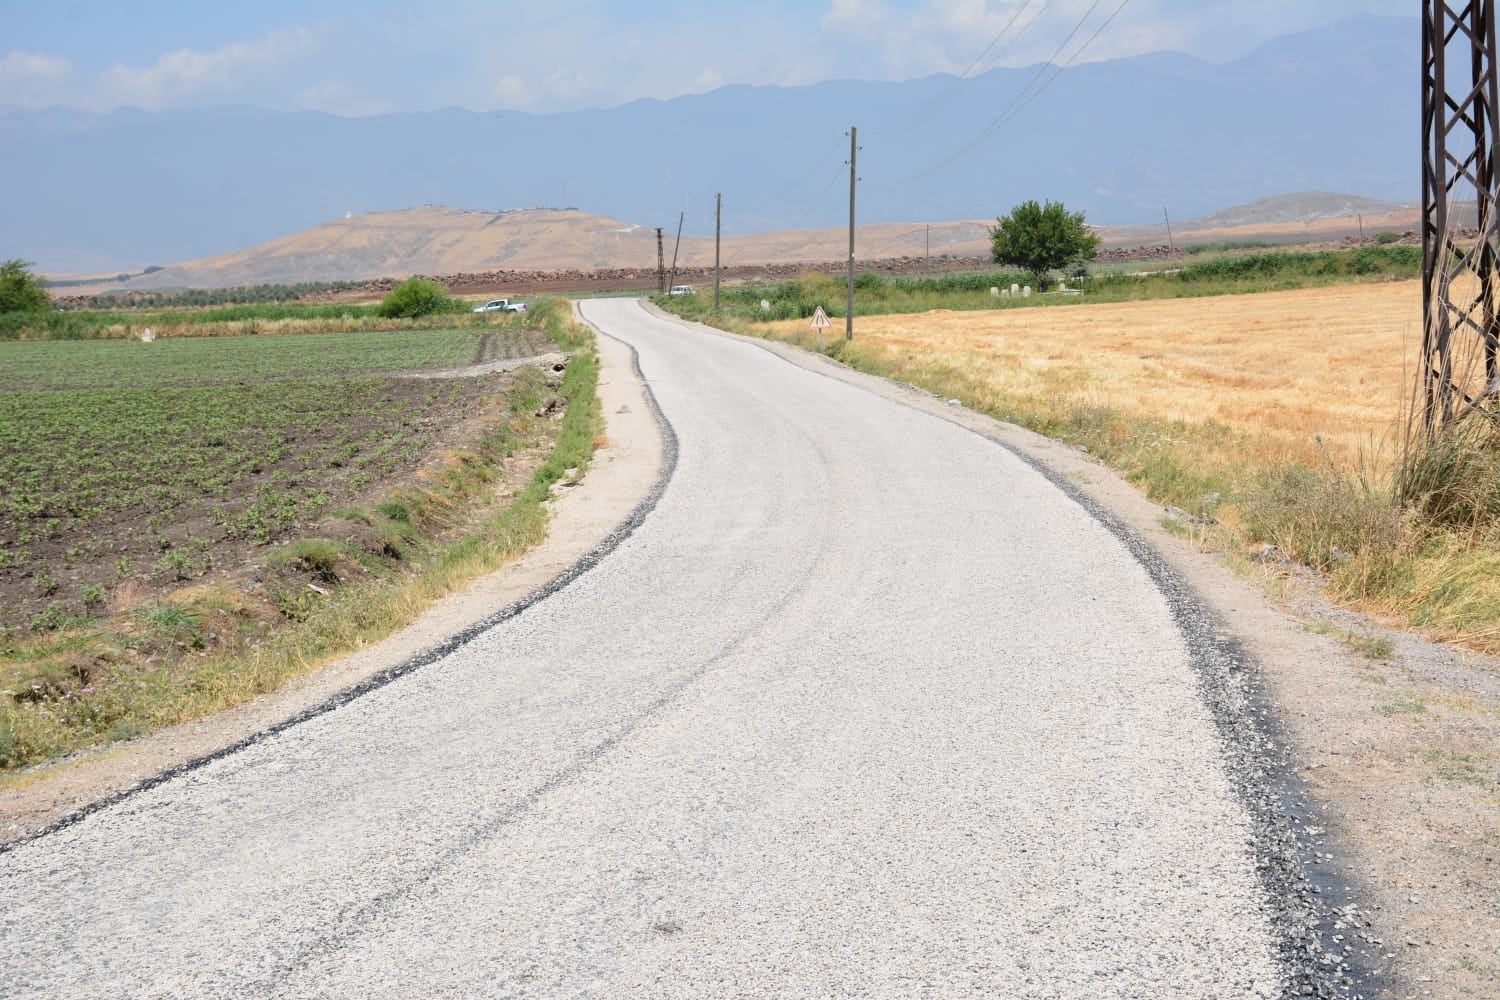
(418,297)
(1042,238)
(20,290)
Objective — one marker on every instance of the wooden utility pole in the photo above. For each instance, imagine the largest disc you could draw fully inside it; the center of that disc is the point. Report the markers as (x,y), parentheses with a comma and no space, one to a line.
(1170,247)
(853,179)
(718,228)
(676,246)
(661,268)
(928,262)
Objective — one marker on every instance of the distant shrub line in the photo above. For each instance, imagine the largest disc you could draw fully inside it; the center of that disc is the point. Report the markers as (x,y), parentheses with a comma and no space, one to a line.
(1399,261)
(201,297)
(1222,246)
(878,293)
(92,325)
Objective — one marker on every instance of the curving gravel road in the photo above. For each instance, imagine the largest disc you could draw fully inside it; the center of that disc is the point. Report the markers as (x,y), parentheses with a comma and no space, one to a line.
(865,706)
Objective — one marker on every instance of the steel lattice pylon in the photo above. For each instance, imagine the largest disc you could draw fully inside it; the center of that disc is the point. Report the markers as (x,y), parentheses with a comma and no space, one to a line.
(1460,104)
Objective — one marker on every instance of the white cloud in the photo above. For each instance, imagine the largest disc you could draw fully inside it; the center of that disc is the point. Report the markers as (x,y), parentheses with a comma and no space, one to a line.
(338,98)
(34,66)
(35,80)
(977,16)
(854,16)
(571,86)
(570,54)
(186,76)
(512,92)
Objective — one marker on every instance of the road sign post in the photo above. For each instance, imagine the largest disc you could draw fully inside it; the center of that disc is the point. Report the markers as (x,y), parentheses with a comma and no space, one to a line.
(820,322)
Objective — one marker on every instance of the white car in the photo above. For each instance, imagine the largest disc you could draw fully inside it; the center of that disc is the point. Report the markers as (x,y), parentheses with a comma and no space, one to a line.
(683,290)
(501,305)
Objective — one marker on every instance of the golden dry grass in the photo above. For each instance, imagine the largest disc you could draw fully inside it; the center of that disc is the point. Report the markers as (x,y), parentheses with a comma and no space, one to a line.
(1285,368)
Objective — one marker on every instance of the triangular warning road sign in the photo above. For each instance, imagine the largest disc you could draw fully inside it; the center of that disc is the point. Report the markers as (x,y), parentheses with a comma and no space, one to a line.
(820,319)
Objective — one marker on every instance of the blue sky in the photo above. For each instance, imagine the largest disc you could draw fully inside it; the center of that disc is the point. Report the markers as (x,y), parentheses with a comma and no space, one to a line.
(356,58)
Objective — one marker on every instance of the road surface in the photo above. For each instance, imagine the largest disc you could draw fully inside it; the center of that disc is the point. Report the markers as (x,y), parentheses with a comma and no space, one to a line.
(866,706)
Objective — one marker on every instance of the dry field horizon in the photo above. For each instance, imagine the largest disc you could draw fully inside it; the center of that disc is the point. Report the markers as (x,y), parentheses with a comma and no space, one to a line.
(1315,375)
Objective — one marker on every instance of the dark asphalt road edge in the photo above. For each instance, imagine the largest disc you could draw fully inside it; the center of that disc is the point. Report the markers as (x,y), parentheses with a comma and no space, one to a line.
(378,680)
(1297,878)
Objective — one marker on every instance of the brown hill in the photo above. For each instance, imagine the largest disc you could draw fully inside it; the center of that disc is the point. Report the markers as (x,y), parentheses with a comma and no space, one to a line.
(438,241)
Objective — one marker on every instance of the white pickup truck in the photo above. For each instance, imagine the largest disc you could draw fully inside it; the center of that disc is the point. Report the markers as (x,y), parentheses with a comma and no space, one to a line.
(501,305)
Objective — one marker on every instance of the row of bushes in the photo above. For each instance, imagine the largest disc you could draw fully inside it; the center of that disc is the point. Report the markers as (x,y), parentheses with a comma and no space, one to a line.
(798,299)
(1224,246)
(198,298)
(90,325)
(413,298)
(1398,261)
(875,292)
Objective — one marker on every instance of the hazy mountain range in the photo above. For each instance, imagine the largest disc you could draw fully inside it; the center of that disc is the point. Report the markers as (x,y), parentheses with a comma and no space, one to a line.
(1334,109)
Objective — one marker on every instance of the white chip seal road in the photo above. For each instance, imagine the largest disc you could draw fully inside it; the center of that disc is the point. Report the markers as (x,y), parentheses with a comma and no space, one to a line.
(865,706)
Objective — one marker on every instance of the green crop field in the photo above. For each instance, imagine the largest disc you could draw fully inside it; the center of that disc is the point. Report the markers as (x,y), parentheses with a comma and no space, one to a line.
(188,523)
(28,366)
(160,461)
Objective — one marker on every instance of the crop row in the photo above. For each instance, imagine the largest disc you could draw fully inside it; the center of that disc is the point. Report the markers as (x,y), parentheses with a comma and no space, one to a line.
(227,321)
(188,361)
(98,485)
(200,297)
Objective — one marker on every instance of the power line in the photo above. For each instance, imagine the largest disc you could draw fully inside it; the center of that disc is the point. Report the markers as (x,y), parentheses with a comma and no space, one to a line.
(838,144)
(794,192)
(1020,102)
(1017,104)
(1001,117)
(837,175)
(1063,69)
(980,58)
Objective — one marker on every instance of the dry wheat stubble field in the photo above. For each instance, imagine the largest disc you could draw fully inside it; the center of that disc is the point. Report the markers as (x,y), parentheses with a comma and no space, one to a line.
(1286,368)
(1198,399)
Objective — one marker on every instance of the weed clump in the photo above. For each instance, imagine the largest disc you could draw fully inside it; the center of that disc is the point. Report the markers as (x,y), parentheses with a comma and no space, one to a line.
(171,621)
(1452,476)
(1323,518)
(317,556)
